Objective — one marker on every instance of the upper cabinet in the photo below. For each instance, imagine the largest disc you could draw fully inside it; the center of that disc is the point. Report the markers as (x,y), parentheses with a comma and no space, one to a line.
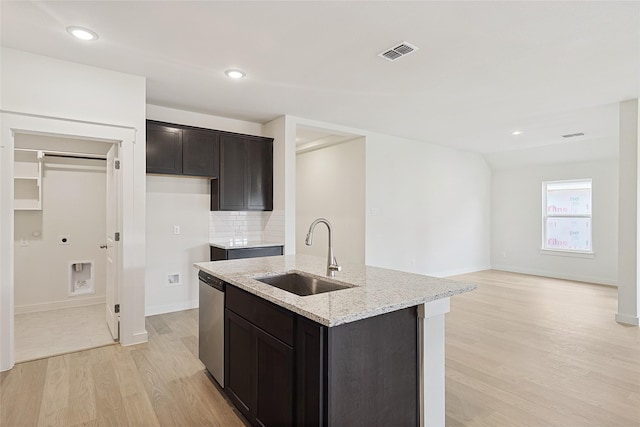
(241,165)
(200,153)
(164,148)
(181,150)
(246,174)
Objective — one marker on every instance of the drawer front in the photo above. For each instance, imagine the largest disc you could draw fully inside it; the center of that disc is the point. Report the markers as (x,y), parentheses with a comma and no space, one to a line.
(265,315)
(218,254)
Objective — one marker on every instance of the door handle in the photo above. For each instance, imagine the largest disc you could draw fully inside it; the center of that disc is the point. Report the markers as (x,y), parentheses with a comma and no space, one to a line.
(103,246)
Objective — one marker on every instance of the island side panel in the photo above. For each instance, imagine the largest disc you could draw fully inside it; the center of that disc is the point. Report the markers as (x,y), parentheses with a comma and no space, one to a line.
(432,378)
(373,376)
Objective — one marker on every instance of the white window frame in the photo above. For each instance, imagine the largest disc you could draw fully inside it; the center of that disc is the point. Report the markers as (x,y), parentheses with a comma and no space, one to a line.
(564,252)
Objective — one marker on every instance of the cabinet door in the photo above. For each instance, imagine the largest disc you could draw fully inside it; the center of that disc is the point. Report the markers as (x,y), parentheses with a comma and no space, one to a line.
(233,170)
(200,153)
(274,381)
(164,149)
(260,175)
(311,386)
(239,362)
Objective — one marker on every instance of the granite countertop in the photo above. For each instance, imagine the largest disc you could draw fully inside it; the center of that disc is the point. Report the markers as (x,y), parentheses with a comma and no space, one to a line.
(242,243)
(373,290)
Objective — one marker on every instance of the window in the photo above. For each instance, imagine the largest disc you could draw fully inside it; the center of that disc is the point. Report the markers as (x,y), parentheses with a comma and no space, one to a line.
(566,216)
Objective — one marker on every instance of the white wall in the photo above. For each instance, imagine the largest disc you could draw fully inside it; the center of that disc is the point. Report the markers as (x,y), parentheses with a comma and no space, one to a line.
(77,100)
(330,183)
(74,204)
(282,223)
(428,207)
(171,201)
(517,221)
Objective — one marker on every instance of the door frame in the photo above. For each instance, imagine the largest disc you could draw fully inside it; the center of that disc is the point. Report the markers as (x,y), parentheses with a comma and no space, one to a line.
(17,123)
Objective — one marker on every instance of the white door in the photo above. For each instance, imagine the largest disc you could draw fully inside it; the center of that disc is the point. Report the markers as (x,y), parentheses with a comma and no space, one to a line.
(113,241)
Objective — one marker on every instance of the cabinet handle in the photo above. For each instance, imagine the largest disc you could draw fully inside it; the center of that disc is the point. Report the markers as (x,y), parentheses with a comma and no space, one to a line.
(103,246)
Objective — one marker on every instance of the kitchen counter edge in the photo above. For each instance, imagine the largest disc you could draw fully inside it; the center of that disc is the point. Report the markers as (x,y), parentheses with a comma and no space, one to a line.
(369,284)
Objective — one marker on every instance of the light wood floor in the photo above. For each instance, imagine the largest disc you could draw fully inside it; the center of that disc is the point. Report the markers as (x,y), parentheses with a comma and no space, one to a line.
(531,351)
(521,351)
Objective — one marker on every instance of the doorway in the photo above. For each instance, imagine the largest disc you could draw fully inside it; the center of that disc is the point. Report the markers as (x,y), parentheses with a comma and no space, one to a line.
(60,247)
(330,183)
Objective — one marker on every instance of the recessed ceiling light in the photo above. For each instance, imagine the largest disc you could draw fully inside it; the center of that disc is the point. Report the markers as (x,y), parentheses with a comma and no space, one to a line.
(516,132)
(82,33)
(235,74)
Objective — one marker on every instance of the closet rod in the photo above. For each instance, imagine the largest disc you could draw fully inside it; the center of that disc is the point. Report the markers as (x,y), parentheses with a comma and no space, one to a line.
(67,154)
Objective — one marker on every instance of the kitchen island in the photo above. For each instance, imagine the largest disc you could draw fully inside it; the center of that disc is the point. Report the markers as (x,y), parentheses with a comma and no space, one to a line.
(350,347)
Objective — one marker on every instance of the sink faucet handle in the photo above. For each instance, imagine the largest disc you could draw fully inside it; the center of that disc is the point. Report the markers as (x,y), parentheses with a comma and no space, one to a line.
(334,265)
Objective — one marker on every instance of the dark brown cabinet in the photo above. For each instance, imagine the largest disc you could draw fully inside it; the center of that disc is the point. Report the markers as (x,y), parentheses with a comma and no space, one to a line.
(219,254)
(182,150)
(283,369)
(246,174)
(200,151)
(164,149)
(260,174)
(258,363)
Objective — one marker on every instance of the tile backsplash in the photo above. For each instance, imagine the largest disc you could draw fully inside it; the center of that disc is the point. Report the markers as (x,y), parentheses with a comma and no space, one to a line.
(260,226)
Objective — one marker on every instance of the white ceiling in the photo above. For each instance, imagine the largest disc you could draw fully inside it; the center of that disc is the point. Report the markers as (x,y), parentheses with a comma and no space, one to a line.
(483,69)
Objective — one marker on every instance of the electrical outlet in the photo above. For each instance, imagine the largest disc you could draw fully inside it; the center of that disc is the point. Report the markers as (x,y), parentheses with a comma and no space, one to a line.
(176,229)
(24,242)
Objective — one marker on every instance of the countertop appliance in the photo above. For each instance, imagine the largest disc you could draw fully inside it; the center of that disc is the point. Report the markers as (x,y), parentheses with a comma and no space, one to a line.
(211,325)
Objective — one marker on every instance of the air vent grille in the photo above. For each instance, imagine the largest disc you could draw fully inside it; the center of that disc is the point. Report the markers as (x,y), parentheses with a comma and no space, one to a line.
(571,135)
(398,51)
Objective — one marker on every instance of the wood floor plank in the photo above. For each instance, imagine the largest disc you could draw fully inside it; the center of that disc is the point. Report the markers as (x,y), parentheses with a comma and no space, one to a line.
(55,397)
(109,405)
(22,391)
(159,324)
(82,407)
(139,412)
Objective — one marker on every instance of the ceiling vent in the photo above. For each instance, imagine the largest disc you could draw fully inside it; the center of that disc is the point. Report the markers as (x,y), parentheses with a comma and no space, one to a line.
(398,51)
(571,135)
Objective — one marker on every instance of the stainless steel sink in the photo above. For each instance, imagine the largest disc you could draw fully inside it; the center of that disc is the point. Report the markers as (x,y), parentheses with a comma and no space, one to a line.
(302,285)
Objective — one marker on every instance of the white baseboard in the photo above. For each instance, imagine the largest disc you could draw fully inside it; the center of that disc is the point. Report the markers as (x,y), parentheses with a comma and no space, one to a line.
(460,271)
(627,320)
(75,302)
(575,277)
(139,338)
(170,308)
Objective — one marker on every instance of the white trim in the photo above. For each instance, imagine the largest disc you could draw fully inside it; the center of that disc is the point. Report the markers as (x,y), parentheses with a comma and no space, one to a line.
(544,273)
(64,119)
(627,320)
(170,308)
(545,214)
(138,338)
(75,302)
(574,254)
(459,271)
(431,336)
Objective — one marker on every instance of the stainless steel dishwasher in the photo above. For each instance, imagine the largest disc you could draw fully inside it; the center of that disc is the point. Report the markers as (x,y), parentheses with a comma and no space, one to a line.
(211,325)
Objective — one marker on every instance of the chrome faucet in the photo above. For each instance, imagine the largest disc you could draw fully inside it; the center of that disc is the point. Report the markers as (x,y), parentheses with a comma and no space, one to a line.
(332,263)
